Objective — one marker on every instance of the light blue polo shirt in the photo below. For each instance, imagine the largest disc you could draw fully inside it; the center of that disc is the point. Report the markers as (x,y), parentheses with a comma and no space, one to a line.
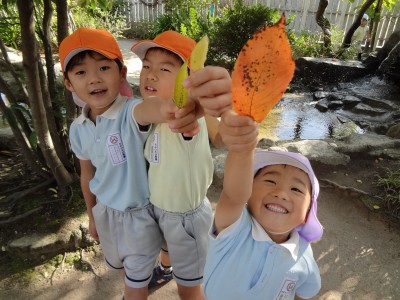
(244,263)
(115,146)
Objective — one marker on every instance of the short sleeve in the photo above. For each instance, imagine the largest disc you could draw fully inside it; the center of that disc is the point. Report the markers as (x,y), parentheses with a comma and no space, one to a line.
(312,284)
(75,141)
(227,237)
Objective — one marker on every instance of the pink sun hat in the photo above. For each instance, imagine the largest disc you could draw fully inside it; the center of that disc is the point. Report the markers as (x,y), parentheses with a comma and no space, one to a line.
(312,230)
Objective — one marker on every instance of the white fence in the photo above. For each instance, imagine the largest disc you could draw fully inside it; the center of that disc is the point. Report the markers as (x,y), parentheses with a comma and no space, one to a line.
(340,13)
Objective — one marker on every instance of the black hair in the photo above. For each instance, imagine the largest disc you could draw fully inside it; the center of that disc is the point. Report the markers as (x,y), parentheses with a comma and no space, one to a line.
(76,59)
(165,51)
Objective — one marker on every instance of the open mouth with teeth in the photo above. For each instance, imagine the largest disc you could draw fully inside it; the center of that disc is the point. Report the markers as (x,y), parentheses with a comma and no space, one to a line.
(276,208)
(150,89)
(98,92)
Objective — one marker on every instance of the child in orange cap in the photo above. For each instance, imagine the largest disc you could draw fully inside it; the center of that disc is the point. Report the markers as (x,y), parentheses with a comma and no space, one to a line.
(180,169)
(108,138)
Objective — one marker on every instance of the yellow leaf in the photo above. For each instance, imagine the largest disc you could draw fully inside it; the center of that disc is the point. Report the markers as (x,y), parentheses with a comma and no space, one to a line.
(199,54)
(181,93)
(376,206)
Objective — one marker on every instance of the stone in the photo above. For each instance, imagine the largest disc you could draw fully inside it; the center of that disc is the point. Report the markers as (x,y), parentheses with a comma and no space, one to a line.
(367,110)
(394,131)
(350,101)
(329,70)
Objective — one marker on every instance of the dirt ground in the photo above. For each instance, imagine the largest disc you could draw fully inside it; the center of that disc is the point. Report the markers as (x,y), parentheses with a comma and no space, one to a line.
(358,256)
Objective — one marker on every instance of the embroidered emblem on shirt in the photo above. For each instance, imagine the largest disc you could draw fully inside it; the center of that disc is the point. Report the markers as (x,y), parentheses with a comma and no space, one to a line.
(286,290)
(155,149)
(116,149)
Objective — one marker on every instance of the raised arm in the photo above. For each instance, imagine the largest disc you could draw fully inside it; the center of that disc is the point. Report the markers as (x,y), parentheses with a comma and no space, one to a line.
(239,134)
(213,133)
(211,87)
(156,110)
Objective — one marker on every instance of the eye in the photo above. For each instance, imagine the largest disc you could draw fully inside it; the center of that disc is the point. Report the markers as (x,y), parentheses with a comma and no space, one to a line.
(165,70)
(104,68)
(270,181)
(145,67)
(80,73)
(297,190)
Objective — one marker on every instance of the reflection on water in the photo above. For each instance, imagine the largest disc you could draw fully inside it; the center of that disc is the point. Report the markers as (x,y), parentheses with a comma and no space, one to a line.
(295,117)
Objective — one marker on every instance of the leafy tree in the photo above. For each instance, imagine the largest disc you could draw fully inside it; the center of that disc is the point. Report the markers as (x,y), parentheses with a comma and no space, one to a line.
(37,107)
(324,23)
(234,27)
(192,18)
(373,8)
(356,24)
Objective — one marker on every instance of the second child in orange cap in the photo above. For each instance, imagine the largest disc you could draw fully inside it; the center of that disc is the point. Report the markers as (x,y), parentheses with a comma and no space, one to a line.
(180,169)
(108,138)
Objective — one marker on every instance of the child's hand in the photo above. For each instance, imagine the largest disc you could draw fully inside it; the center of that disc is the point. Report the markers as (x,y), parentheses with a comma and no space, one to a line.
(239,133)
(93,230)
(211,86)
(182,120)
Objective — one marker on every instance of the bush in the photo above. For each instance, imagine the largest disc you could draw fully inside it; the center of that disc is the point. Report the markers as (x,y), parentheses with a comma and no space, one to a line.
(9,26)
(309,44)
(140,30)
(112,20)
(191,18)
(234,28)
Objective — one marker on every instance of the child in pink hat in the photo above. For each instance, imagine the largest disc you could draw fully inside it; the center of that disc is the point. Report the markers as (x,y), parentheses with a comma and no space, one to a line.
(264,222)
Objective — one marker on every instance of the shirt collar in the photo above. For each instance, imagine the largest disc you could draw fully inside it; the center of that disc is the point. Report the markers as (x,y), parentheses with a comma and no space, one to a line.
(260,235)
(110,113)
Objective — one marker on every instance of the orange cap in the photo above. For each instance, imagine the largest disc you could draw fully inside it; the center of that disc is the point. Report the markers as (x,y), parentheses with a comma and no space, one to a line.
(82,39)
(170,40)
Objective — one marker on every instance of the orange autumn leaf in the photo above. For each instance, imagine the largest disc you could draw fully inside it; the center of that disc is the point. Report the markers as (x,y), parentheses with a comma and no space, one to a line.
(262,72)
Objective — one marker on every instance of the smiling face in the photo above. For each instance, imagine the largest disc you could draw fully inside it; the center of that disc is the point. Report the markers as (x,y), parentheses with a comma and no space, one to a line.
(159,70)
(280,199)
(96,80)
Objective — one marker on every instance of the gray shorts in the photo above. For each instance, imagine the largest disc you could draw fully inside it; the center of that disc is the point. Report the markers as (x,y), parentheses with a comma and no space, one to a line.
(186,237)
(130,240)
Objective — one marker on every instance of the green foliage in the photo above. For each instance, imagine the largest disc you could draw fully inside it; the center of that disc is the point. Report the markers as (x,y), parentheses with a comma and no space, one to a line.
(9,26)
(391,187)
(309,44)
(93,4)
(305,44)
(234,28)
(184,5)
(190,18)
(107,16)
(140,30)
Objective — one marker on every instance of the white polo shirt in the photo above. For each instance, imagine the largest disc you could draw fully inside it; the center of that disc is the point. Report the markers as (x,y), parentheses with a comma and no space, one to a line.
(244,263)
(115,146)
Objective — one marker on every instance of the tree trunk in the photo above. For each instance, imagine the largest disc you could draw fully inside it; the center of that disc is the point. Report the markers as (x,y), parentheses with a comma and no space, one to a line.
(21,139)
(50,98)
(62,32)
(323,22)
(30,63)
(347,39)
(374,26)
(10,95)
(10,67)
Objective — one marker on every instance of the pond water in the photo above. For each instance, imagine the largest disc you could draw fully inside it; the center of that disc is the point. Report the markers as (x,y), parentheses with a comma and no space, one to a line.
(295,117)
